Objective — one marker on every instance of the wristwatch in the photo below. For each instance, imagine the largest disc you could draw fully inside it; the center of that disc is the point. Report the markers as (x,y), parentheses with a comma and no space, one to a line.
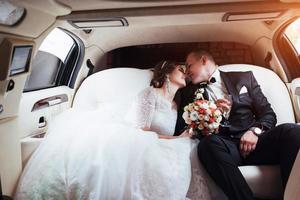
(257,131)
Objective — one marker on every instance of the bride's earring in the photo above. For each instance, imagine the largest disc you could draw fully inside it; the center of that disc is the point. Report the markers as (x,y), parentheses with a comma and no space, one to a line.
(168,84)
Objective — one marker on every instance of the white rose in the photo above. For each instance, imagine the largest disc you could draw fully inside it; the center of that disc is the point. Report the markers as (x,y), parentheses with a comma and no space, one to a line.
(215,125)
(205,106)
(186,108)
(206,117)
(208,111)
(194,116)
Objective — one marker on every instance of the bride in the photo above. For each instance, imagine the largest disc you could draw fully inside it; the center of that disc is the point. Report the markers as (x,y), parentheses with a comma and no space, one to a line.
(89,157)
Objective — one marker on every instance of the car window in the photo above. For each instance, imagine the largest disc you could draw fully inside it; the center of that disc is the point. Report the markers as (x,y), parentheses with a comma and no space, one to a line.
(293,34)
(57,43)
(50,60)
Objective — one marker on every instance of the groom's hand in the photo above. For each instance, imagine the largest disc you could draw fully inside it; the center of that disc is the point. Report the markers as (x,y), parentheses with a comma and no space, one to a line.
(248,143)
(223,104)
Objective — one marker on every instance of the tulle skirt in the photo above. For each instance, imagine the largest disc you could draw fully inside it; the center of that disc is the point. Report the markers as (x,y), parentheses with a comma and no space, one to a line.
(87,156)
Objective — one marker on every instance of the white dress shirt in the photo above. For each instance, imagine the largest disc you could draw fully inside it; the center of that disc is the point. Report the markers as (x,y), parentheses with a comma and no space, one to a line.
(216,90)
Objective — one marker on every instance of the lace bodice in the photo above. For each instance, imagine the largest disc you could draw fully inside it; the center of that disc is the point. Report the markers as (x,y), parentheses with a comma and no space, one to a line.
(153,111)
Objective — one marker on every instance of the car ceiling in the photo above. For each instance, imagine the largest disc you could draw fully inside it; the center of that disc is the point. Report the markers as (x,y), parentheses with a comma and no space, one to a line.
(153,21)
(77,5)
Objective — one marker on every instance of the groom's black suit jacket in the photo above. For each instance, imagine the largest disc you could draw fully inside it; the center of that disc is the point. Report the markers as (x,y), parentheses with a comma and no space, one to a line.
(250,109)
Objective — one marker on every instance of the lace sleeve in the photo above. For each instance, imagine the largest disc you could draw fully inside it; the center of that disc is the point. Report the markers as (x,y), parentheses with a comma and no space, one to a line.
(142,109)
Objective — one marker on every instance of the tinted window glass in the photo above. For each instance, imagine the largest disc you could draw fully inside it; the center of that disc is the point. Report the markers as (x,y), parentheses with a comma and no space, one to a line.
(50,60)
(44,71)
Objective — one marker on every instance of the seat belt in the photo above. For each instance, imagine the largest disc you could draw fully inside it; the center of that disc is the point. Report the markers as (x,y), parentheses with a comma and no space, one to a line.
(91,67)
(267,60)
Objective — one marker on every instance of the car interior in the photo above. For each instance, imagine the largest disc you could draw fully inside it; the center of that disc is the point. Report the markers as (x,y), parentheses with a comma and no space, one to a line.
(57,55)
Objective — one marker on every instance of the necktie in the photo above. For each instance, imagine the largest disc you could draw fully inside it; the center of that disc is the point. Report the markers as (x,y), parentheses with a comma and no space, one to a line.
(205,93)
(204,86)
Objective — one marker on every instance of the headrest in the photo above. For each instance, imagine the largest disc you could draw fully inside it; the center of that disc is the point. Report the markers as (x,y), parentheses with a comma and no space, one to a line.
(117,85)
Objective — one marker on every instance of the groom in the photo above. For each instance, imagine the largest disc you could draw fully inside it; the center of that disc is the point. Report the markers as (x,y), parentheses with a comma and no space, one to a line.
(252,137)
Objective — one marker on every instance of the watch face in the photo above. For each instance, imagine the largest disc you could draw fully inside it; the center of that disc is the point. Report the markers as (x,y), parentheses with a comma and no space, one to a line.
(257,131)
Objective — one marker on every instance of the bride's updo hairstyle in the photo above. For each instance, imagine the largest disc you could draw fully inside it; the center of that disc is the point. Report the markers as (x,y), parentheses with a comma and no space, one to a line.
(160,72)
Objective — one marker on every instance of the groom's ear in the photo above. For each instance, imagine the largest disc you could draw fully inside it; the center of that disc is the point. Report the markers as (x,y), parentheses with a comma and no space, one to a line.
(204,60)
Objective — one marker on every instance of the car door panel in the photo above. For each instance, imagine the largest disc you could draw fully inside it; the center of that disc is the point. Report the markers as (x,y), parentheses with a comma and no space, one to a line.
(37,111)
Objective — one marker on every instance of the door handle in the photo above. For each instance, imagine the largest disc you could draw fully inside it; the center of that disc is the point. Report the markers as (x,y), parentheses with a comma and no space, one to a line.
(54,102)
(50,101)
(42,122)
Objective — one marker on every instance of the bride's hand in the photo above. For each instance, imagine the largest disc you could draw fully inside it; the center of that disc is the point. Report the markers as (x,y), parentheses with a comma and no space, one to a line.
(185,134)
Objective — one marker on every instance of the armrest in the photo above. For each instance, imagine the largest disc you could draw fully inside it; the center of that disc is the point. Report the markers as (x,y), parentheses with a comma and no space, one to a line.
(29,145)
(292,191)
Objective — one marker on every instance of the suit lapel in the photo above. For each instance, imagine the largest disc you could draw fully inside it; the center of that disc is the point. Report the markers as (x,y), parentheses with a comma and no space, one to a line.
(232,82)
(229,83)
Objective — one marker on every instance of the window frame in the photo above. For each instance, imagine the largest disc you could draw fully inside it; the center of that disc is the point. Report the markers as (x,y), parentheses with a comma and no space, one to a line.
(286,52)
(71,79)
(63,77)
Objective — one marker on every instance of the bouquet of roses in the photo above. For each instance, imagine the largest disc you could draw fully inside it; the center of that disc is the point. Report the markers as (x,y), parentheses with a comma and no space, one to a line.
(202,115)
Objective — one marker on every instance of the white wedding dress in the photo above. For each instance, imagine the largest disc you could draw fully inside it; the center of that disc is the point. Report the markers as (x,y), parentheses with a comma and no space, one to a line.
(91,155)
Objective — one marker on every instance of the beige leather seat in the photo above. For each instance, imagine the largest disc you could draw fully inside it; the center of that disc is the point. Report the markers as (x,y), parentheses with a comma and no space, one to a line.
(118,86)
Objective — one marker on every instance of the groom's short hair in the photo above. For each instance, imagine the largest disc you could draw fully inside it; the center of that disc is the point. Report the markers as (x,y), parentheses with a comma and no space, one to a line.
(199,53)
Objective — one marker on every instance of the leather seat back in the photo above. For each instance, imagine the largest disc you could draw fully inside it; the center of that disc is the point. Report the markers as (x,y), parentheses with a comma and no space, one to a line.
(116,86)
(119,86)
